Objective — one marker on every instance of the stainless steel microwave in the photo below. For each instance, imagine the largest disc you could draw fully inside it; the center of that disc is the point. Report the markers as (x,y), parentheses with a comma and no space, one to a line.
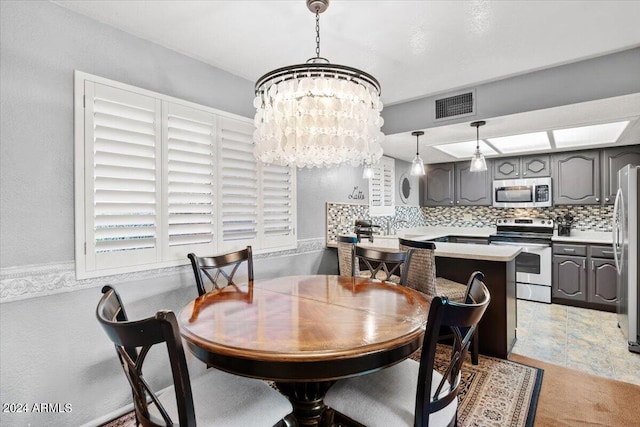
(522,193)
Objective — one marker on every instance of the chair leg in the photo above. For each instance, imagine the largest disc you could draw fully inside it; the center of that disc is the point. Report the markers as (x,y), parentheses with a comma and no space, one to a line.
(474,348)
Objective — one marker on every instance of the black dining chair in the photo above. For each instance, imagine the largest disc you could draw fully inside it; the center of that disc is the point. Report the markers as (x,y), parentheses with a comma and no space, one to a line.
(215,398)
(413,393)
(382,265)
(214,266)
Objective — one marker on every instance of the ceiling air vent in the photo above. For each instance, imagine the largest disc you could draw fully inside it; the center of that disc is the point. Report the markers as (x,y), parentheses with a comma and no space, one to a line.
(455,106)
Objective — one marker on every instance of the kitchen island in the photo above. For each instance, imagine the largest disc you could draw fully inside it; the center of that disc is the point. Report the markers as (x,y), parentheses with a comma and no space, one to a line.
(456,261)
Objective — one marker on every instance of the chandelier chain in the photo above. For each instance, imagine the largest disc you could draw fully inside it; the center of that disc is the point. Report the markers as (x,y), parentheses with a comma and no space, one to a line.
(317,33)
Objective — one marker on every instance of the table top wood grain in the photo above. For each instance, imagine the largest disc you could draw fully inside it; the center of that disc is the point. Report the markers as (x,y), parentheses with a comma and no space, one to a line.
(305,319)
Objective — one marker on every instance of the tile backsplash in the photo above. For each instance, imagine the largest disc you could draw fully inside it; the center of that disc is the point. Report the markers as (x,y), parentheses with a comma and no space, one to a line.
(341,217)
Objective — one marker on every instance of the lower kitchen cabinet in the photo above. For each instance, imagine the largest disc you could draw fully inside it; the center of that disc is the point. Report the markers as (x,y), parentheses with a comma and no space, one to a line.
(569,280)
(602,282)
(586,278)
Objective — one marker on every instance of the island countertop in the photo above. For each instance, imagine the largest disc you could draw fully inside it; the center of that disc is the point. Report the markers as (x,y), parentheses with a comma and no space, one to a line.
(453,250)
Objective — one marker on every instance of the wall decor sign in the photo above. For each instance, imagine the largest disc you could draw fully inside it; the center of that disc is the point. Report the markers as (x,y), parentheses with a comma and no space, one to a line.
(356,194)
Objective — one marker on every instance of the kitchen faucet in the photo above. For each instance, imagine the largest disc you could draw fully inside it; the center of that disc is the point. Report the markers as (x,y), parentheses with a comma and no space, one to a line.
(393,222)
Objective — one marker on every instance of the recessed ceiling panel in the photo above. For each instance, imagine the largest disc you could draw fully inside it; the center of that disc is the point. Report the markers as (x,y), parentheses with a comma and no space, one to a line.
(589,135)
(465,149)
(535,141)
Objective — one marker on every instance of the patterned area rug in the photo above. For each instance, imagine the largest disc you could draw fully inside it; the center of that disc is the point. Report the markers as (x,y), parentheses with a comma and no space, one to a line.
(496,393)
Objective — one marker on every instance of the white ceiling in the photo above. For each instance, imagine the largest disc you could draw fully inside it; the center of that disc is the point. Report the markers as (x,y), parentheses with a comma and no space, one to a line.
(414,48)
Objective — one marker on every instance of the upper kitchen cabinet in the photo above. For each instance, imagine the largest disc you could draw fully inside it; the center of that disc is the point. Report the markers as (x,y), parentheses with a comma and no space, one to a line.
(472,188)
(576,178)
(437,185)
(522,167)
(449,184)
(613,159)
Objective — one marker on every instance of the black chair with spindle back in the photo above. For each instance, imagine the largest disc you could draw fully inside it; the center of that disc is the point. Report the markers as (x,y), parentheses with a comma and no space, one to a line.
(414,393)
(215,398)
(216,264)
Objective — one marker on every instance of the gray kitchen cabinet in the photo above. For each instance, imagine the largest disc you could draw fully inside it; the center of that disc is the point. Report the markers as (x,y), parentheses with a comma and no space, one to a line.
(602,276)
(613,159)
(585,275)
(602,282)
(437,185)
(472,188)
(569,281)
(576,178)
(533,166)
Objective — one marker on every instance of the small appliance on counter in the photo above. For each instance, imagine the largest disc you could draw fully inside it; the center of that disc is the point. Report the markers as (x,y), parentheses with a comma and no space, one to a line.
(564,225)
(365,228)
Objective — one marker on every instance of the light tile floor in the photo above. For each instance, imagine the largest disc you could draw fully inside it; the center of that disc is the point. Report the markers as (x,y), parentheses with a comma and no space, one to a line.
(578,338)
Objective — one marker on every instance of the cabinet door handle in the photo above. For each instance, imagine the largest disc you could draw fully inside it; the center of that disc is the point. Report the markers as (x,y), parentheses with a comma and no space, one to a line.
(606,199)
(524,173)
(584,267)
(458,201)
(569,250)
(451,202)
(593,265)
(597,199)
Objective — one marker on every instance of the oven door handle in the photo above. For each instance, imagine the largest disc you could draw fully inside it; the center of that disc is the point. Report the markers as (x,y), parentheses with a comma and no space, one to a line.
(537,245)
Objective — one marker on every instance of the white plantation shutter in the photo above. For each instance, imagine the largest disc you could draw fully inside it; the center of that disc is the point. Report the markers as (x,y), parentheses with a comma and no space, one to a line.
(122,178)
(382,188)
(238,185)
(278,210)
(190,153)
(157,177)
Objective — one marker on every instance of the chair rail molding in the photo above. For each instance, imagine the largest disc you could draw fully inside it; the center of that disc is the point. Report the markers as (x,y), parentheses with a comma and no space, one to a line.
(38,280)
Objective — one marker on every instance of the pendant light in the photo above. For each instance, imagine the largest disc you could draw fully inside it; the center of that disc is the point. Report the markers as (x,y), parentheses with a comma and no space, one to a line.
(317,114)
(367,172)
(478,163)
(417,167)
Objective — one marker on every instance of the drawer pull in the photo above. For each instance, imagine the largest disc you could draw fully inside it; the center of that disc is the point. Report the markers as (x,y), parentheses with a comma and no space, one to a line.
(607,252)
(569,250)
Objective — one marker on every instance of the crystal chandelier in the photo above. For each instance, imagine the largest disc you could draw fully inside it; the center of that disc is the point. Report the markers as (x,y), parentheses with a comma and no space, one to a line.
(478,163)
(417,167)
(317,114)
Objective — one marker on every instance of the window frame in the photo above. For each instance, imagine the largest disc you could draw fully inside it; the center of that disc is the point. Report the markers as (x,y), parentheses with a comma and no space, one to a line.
(84,196)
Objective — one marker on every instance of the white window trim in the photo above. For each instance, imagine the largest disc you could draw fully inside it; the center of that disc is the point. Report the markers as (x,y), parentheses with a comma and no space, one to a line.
(80,179)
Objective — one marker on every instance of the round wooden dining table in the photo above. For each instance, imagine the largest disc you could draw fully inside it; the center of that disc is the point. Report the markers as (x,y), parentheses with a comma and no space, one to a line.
(305,332)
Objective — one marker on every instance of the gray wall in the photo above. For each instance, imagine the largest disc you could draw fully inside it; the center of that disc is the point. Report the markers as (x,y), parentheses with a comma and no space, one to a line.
(52,348)
(603,77)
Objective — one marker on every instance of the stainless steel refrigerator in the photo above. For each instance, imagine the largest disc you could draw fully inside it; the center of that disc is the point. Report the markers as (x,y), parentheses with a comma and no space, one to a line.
(626,245)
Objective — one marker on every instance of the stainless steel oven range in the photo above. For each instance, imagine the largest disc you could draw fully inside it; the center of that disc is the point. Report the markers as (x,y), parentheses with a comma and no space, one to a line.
(533,264)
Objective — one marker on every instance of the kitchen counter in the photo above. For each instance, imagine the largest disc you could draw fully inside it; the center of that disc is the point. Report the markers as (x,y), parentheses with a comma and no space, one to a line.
(457,261)
(429,233)
(598,237)
(452,250)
